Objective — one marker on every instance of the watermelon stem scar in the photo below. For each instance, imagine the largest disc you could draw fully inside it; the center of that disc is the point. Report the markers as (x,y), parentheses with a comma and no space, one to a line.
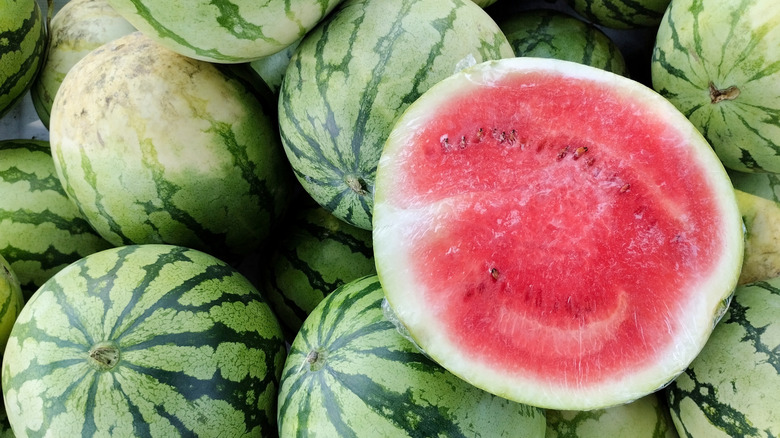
(104,355)
(717,95)
(315,359)
(357,184)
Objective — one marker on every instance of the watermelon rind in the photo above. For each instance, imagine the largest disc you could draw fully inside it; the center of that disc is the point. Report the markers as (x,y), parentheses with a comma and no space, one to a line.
(404,221)
(144,340)
(730,389)
(718,62)
(79,27)
(621,14)
(228,31)
(350,373)
(353,75)
(22,46)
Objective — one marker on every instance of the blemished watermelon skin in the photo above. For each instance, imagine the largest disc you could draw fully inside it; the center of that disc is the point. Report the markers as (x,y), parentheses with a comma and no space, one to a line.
(730,389)
(225,31)
(316,253)
(386,53)
(156,147)
(41,230)
(22,45)
(718,62)
(549,33)
(144,340)
(350,373)
(621,14)
(498,233)
(79,27)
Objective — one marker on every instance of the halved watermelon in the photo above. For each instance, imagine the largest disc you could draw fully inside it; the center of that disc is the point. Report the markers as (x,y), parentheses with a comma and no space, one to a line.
(554,233)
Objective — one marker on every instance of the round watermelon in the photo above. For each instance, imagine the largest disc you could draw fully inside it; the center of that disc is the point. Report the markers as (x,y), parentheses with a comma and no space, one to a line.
(554,233)
(350,373)
(226,31)
(144,340)
(41,230)
(156,147)
(718,62)
(762,237)
(730,389)
(79,27)
(11,301)
(353,75)
(621,14)
(22,45)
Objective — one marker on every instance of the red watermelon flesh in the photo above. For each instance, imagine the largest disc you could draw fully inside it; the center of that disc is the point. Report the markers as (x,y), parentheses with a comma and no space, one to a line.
(557,235)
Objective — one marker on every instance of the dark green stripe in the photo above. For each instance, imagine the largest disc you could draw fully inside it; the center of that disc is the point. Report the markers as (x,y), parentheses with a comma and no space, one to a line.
(14,37)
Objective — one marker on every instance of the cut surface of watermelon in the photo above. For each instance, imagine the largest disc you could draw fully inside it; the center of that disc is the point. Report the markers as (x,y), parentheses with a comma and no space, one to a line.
(553,233)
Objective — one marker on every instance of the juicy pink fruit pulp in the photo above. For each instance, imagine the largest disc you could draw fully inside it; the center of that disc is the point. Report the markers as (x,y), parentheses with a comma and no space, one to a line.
(575,228)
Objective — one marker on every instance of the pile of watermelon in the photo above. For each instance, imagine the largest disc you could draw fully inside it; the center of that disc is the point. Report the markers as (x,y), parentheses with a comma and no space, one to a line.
(382,218)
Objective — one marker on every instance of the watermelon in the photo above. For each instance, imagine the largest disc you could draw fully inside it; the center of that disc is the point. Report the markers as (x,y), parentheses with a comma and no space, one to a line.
(762,244)
(647,417)
(315,253)
(11,300)
(227,31)
(155,147)
(144,340)
(22,46)
(730,389)
(554,233)
(271,68)
(549,33)
(718,62)
(350,373)
(621,14)
(353,75)
(79,27)
(41,230)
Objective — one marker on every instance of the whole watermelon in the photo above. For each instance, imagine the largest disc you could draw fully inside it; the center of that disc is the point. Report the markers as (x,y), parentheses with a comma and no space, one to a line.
(621,14)
(144,340)
(355,73)
(351,373)
(156,147)
(22,44)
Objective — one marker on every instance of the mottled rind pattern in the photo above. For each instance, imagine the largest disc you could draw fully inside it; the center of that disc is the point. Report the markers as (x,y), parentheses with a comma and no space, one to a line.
(22,44)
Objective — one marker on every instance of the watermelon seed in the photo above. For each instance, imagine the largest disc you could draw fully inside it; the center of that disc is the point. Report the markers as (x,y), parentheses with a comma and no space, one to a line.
(563,153)
(494,273)
(717,95)
(579,152)
(445,143)
(512,136)
(480,134)
(625,188)
(499,135)
(463,142)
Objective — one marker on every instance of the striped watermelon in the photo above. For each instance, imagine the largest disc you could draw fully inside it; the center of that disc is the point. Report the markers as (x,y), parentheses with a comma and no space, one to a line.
(11,301)
(316,253)
(41,230)
(350,373)
(355,73)
(144,340)
(549,33)
(226,31)
(621,14)
(718,62)
(647,417)
(762,231)
(22,45)
(155,147)
(79,27)
(731,389)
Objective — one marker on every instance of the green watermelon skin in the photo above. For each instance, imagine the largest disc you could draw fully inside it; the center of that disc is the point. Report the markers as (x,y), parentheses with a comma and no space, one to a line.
(316,253)
(621,14)
(730,389)
(227,31)
(144,340)
(718,62)
(549,33)
(350,373)
(386,53)
(22,45)
(41,230)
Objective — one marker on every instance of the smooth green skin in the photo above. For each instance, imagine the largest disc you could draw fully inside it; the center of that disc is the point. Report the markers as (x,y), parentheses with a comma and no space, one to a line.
(317,253)
(11,301)
(355,73)
(224,31)
(194,349)
(647,417)
(22,42)
(548,33)
(350,373)
(730,389)
(41,229)
(621,14)
(733,45)
(75,30)
(155,147)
